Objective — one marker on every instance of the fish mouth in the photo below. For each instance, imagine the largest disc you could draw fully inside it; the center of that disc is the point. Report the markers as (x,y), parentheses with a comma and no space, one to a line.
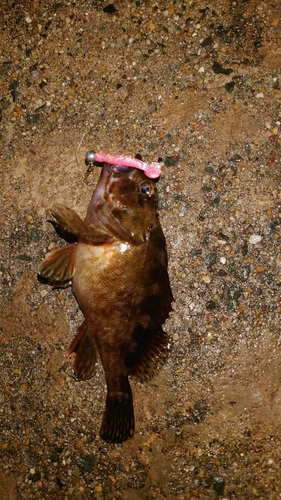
(101,210)
(118,170)
(110,173)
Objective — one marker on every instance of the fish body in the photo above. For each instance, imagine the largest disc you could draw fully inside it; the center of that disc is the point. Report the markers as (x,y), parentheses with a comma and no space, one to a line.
(118,269)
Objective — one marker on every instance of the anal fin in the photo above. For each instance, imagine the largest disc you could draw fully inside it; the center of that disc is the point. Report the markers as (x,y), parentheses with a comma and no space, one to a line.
(86,355)
(118,423)
(59,264)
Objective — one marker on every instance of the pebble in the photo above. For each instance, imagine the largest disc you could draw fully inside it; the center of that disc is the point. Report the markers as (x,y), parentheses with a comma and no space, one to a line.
(206,279)
(34,73)
(182,211)
(254,239)
(43,293)
(76,472)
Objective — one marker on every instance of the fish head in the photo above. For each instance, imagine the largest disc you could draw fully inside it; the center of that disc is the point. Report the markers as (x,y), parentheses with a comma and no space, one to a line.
(124,203)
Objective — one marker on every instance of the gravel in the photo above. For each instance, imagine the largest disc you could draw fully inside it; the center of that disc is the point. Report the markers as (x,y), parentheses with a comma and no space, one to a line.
(196,86)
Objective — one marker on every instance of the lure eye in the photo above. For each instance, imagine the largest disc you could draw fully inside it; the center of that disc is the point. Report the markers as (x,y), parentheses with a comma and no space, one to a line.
(145,189)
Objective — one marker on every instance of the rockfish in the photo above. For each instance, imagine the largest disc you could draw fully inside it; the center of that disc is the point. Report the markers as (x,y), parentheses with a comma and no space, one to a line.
(118,269)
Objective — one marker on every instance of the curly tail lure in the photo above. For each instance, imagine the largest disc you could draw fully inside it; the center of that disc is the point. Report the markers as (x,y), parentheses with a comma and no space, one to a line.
(151,170)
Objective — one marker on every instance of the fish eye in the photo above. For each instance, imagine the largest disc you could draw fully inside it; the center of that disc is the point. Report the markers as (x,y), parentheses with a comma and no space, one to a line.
(145,189)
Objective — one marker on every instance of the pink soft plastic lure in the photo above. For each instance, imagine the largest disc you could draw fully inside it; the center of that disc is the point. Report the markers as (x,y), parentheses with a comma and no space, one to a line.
(151,170)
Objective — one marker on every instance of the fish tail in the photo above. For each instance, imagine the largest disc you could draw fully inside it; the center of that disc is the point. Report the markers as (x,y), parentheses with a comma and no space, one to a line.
(86,354)
(118,423)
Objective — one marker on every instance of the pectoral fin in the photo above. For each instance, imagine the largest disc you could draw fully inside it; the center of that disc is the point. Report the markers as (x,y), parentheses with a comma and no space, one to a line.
(59,265)
(72,223)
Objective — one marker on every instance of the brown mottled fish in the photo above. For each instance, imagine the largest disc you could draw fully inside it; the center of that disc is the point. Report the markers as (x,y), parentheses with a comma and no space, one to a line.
(118,268)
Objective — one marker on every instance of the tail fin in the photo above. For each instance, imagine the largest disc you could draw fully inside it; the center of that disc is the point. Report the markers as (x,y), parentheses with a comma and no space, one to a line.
(118,423)
(86,356)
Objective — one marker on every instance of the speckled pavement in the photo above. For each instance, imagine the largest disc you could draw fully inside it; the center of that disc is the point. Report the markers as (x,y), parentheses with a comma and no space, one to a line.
(197,86)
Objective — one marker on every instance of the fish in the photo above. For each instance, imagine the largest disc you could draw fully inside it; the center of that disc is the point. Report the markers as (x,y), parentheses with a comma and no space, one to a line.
(118,270)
